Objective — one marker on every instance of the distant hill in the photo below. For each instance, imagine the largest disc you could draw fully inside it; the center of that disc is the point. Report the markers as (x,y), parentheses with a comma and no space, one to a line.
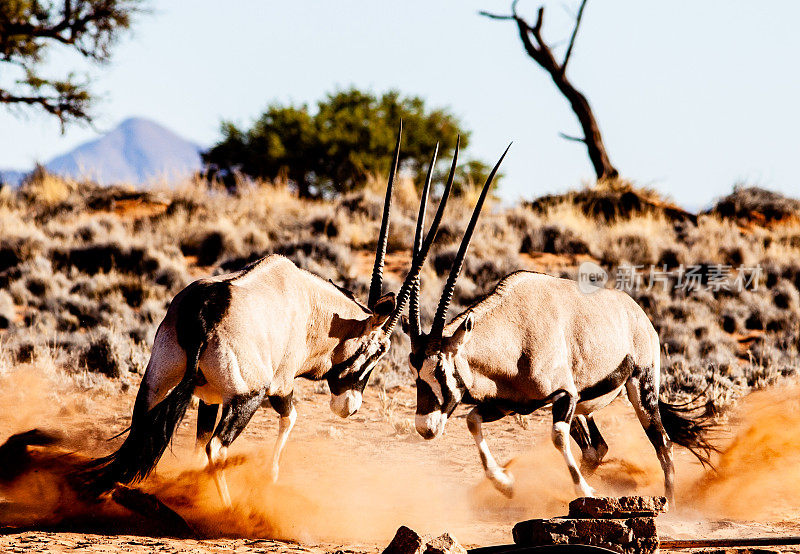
(137,151)
(11,177)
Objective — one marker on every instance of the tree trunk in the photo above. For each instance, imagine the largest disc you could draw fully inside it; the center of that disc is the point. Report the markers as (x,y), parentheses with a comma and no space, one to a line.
(538,49)
(603,167)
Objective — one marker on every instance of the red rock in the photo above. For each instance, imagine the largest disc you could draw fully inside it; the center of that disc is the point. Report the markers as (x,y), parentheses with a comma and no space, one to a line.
(617,508)
(405,541)
(444,544)
(628,536)
(408,541)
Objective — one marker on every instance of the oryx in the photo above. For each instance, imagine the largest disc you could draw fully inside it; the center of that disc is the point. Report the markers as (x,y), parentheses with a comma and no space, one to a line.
(537,340)
(241,339)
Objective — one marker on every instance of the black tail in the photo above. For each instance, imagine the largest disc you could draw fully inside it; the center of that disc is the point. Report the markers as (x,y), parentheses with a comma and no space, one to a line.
(150,434)
(692,427)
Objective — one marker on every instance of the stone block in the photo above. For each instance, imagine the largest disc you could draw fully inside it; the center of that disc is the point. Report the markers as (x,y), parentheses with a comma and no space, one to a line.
(617,508)
(628,536)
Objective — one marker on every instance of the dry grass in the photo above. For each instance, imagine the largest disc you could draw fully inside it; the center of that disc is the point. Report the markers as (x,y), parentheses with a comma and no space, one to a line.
(86,273)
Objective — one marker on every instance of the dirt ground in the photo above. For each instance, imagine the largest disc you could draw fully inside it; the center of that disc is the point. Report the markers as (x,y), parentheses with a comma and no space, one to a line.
(346,485)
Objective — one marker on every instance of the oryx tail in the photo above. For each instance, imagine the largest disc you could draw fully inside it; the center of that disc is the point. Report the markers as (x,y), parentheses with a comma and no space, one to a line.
(152,429)
(690,427)
(149,436)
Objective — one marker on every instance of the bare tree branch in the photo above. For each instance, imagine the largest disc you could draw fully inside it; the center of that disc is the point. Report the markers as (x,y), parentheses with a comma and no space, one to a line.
(572,38)
(542,54)
(572,138)
(495,15)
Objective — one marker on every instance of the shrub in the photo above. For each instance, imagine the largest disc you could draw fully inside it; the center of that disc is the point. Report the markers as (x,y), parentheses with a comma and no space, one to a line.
(756,205)
(6,310)
(553,239)
(350,136)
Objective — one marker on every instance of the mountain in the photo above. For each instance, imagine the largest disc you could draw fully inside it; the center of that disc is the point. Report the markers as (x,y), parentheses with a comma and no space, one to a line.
(12,177)
(136,151)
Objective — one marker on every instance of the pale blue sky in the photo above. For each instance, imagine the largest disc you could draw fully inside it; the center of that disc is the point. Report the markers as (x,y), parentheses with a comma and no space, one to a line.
(691,96)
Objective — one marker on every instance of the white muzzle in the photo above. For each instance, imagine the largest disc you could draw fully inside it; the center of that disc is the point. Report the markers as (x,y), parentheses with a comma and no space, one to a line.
(431,425)
(346,404)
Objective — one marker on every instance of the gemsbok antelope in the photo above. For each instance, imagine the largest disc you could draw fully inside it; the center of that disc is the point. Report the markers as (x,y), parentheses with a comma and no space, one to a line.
(534,341)
(241,339)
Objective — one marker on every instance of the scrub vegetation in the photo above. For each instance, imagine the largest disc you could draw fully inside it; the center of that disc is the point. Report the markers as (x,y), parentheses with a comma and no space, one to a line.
(87,272)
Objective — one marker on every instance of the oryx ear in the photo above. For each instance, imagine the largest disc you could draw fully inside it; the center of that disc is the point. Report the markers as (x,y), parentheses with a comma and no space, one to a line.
(385,305)
(463,333)
(406,325)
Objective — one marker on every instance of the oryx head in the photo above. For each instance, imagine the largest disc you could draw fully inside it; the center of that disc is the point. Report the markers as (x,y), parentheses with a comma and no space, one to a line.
(348,377)
(437,360)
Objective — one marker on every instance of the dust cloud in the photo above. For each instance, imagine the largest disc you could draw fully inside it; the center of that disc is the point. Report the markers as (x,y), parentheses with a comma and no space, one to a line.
(360,493)
(758,474)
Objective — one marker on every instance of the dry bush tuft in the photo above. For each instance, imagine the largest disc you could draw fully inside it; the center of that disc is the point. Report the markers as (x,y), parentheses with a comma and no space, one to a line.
(86,273)
(755,205)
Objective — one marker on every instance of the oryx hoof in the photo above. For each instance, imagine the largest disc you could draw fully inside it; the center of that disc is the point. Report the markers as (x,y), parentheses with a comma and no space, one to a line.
(503,482)
(585,490)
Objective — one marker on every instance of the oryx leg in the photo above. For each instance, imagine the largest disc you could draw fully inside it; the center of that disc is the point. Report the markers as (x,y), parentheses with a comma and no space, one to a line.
(593,447)
(500,478)
(283,405)
(642,391)
(563,412)
(206,420)
(236,414)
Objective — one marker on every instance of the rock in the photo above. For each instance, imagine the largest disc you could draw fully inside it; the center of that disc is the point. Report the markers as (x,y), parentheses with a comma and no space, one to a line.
(628,536)
(408,541)
(444,544)
(617,508)
(405,541)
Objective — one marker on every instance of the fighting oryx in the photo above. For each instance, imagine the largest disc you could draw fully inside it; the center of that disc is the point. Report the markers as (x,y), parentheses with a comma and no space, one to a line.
(537,340)
(239,340)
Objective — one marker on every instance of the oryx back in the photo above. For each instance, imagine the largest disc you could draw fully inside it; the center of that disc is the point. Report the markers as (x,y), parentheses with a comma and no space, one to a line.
(536,334)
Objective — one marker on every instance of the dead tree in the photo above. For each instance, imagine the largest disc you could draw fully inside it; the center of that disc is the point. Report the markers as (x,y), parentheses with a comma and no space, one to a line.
(542,53)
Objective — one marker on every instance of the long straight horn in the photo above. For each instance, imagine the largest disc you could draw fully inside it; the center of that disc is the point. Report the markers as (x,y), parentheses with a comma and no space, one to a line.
(418,260)
(380,254)
(413,306)
(455,270)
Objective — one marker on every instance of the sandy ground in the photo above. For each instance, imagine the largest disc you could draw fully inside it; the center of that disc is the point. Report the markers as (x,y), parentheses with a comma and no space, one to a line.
(346,485)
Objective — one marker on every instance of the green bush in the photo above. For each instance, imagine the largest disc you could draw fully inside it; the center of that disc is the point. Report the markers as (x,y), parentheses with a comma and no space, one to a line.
(333,150)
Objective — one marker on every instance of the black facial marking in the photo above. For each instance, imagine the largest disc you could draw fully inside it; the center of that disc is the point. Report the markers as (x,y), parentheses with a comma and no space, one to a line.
(343,376)
(201,308)
(426,400)
(576,476)
(609,383)
(449,401)
(282,404)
